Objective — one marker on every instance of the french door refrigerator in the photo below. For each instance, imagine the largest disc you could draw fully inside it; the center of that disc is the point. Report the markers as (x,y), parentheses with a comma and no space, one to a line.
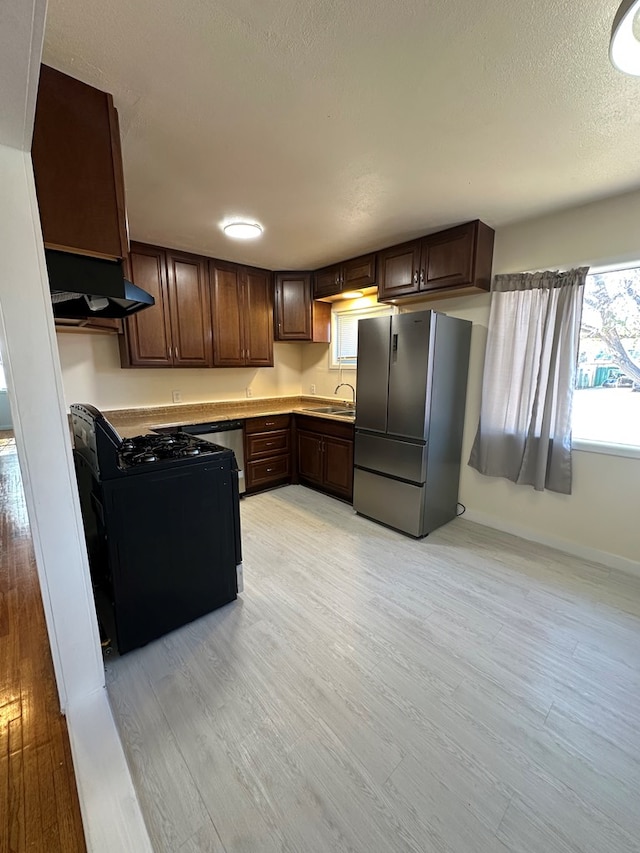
(412,381)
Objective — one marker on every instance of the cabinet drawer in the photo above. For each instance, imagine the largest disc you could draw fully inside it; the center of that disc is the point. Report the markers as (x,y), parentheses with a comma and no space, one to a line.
(267,444)
(268,471)
(267,424)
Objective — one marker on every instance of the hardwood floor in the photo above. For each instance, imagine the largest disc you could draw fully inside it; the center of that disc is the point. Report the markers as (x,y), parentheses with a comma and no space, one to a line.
(39,808)
(468,693)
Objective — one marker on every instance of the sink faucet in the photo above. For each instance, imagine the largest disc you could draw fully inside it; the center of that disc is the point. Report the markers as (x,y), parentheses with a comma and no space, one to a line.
(346,385)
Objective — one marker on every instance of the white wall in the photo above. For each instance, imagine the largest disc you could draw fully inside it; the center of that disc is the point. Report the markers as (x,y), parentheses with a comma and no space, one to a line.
(600,517)
(91,373)
(599,520)
(316,358)
(31,365)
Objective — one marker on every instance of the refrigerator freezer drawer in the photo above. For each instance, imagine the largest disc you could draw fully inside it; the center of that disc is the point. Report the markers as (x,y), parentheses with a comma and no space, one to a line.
(401,459)
(391,502)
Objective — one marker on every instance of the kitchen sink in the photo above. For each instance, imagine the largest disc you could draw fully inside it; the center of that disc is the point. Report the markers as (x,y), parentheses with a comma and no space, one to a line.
(333,410)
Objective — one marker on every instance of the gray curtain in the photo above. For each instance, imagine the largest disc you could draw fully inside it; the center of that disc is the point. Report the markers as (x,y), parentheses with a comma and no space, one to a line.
(524,432)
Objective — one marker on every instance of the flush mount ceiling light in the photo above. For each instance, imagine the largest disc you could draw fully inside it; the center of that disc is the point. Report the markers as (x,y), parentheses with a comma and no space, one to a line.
(624,49)
(352,294)
(240,229)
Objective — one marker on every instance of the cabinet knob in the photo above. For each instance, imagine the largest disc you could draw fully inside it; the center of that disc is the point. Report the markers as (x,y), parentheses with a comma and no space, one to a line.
(415,276)
(177,356)
(421,276)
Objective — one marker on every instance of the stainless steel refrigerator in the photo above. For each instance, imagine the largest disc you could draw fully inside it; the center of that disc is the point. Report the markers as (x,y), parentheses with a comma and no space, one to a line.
(412,383)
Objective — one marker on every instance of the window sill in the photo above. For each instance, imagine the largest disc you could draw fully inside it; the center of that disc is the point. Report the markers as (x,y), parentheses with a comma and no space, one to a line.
(628,450)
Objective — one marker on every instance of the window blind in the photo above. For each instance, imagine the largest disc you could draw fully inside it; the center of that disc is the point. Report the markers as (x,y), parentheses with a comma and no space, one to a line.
(344,333)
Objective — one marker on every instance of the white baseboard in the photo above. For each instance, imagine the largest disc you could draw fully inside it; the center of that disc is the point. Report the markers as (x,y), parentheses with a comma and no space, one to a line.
(110,810)
(612,561)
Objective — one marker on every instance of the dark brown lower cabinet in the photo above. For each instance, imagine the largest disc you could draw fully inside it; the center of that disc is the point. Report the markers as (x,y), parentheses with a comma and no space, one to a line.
(325,455)
(267,452)
(310,457)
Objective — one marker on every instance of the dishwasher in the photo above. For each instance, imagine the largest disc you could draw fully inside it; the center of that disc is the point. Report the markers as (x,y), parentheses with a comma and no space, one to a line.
(227,434)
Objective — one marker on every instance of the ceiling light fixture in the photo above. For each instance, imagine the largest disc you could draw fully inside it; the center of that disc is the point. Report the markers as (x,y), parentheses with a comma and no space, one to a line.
(352,294)
(624,48)
(240,229)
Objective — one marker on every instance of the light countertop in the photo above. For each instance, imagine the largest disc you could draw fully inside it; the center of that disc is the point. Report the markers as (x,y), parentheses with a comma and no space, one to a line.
(130,422)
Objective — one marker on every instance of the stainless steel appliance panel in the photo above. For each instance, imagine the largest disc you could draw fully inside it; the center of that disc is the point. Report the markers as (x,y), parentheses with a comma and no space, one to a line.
(409,367)
(374,337)
(403,459)
(233,440)
(391,502)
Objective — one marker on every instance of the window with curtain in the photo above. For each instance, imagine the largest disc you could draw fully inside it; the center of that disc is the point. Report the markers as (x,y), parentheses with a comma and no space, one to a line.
(524,433)
(344,333)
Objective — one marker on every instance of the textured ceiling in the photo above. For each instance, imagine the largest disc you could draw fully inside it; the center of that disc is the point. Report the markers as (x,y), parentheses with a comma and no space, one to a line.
(21,27)
(346,126)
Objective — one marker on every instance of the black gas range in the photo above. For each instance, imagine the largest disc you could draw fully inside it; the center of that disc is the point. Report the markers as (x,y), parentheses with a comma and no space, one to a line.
(162,523)
(109,455)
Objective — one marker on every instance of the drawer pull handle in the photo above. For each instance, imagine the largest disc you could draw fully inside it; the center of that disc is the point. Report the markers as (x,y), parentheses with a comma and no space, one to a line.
(268,443)
(270,423)
(269,470)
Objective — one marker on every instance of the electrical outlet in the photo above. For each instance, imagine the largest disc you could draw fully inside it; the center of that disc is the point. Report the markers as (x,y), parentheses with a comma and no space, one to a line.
(313,389)
(249,392)
(176,396)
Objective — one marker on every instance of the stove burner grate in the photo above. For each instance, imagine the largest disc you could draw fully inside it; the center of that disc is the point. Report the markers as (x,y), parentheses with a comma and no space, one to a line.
(146,449)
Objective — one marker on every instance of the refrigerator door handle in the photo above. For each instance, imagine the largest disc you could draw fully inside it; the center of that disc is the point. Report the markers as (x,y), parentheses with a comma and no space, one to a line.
(394,343)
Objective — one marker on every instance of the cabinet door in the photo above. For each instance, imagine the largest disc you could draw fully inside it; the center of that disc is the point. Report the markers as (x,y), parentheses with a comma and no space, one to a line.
(337,474)
(226,312)
(293,307)
(310,456)
(258,317)
(327,282)
(77,167)
(147,341)
(359,272)
(189,310)
(399,270)
(447,259)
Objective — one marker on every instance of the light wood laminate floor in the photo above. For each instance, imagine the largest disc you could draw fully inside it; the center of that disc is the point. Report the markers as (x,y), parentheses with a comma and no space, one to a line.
(468,693)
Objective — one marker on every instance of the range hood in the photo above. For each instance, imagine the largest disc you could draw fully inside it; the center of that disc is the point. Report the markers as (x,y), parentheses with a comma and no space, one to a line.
(83,287)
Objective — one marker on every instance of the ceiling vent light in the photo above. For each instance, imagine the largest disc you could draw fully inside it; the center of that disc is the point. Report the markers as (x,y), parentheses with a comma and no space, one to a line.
(242,230)
(352,294)
(624,48)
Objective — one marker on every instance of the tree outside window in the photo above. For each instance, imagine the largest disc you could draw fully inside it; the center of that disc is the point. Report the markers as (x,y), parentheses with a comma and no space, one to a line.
(605,407)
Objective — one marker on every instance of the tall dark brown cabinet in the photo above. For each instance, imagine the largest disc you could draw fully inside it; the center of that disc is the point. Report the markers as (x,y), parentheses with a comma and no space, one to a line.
(77,165)
(176,331)
(242,311)
(298,316)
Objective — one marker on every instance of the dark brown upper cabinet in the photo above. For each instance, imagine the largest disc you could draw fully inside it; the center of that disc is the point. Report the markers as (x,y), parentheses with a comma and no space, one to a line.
(242,315)
(456,260)
(298,316)
(77,165)
(176,331)
(348,275)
